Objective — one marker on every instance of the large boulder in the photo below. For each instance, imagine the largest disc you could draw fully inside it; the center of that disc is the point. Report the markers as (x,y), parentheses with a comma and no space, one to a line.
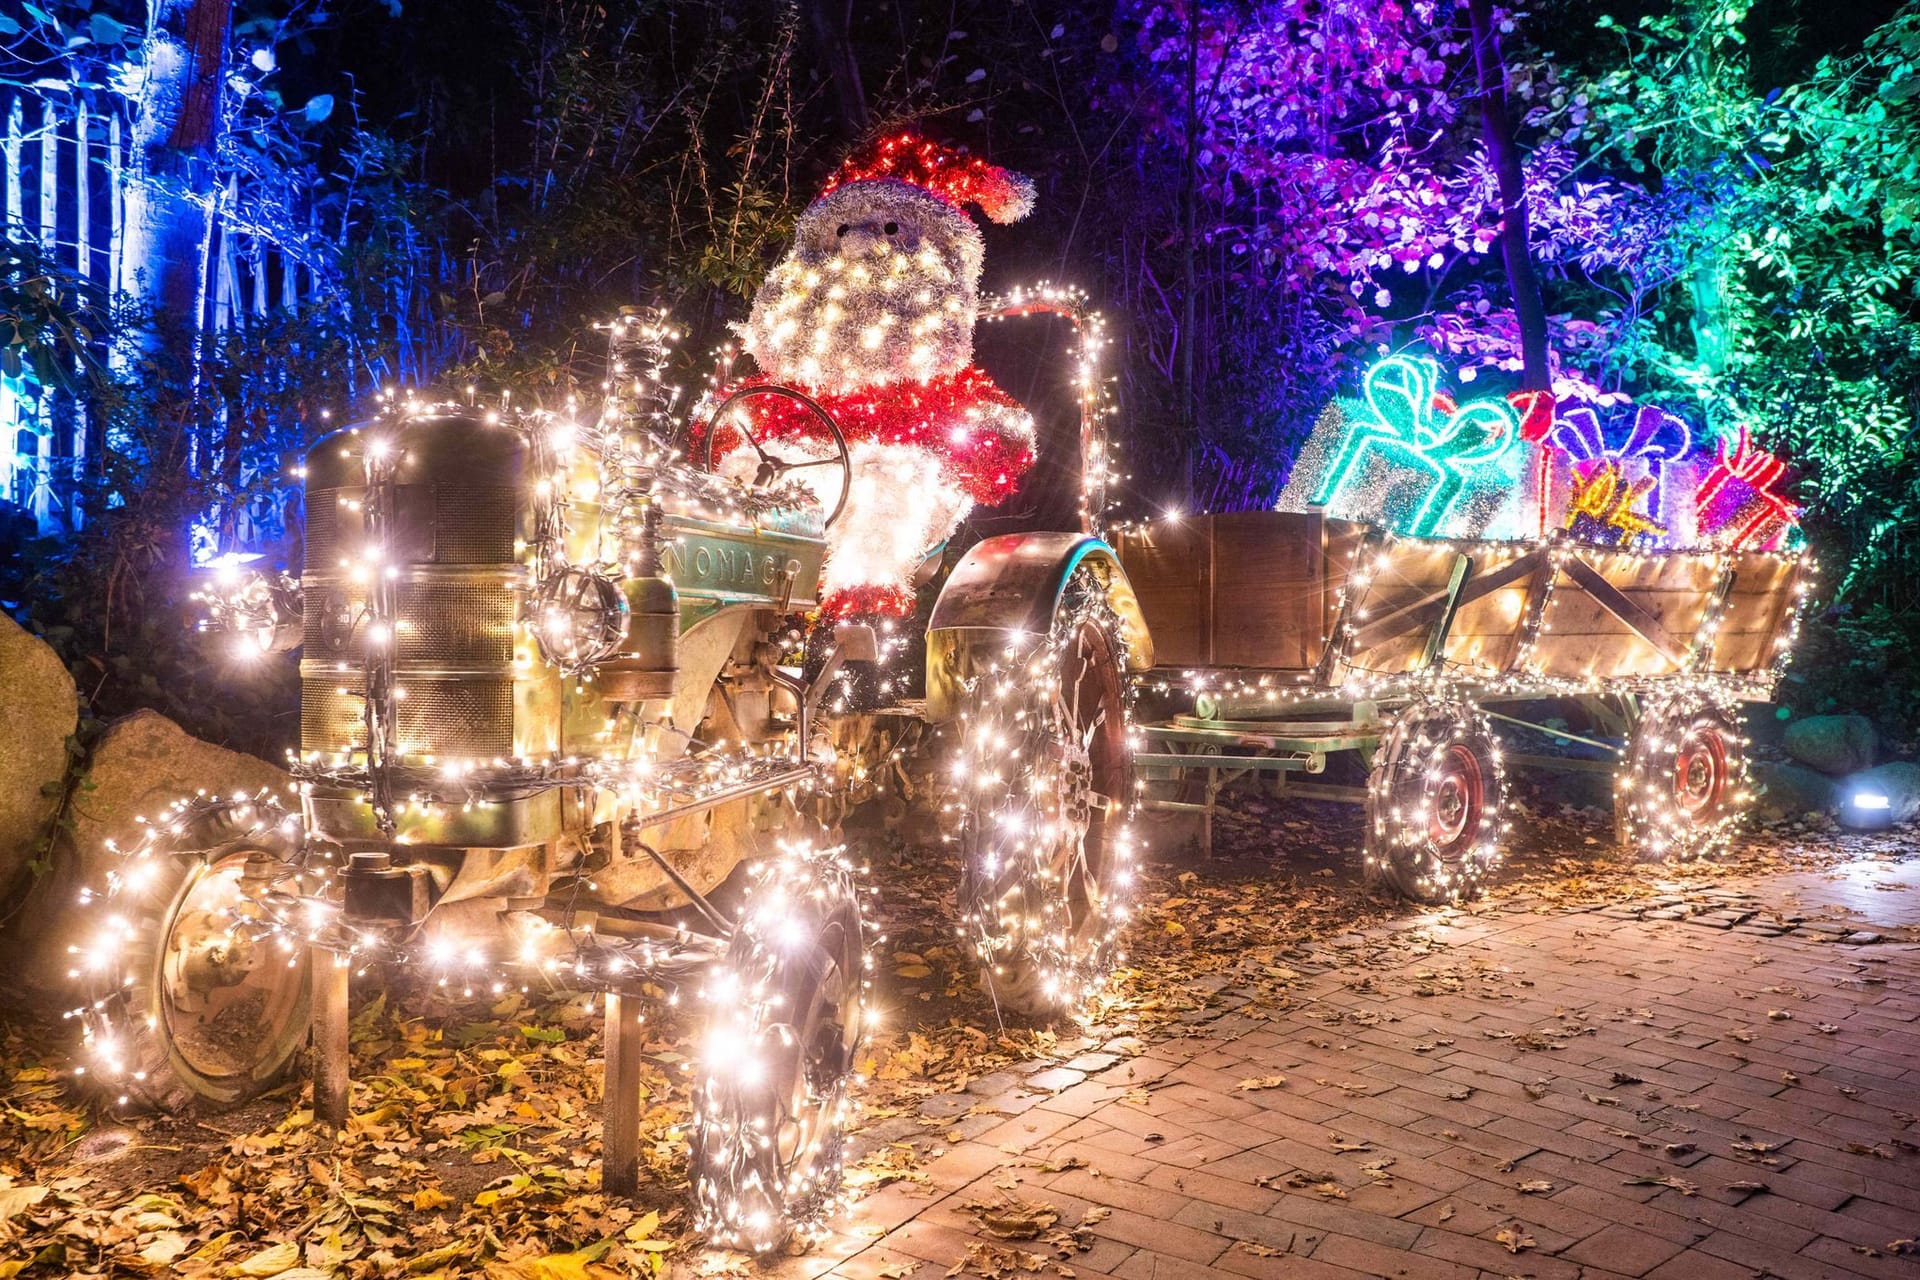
(1831,744)
(140,764)
(1899,782)
(1784,791)
(39,710)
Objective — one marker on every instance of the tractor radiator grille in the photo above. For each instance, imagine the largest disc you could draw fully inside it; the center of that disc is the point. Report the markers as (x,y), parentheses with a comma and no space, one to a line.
(447,716)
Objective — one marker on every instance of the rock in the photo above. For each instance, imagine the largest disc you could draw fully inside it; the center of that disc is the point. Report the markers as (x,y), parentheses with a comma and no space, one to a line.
(1899,782)
(1784,791)
(1831,744)
(39,711)
(140,764)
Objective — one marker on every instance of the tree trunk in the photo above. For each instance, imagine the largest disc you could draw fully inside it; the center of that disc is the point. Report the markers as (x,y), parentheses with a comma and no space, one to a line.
(1189,221)
(176,128)
(827,28)
(1497,129)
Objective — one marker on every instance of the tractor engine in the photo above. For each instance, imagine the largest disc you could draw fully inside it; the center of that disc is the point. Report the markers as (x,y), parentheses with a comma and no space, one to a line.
(535,651)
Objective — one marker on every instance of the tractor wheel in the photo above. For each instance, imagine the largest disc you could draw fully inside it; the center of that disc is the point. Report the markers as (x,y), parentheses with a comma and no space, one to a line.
(786,1017)
(1045,789)
(1684,783)
(198,994)
(1434,801)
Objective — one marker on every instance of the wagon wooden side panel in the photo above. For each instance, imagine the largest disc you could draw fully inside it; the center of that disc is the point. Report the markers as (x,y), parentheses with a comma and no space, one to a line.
(1758,612)
(1254,589)
(1617,615)
(1398,618)
(1504,585)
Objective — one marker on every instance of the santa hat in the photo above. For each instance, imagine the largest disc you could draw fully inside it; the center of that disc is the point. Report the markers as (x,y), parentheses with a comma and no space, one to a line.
(952,175)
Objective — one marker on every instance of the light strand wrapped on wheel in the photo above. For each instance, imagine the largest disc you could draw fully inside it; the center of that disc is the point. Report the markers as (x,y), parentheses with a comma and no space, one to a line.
(1685,781)
(786,1010)
(1043,777)
(1434,803)
(196,969)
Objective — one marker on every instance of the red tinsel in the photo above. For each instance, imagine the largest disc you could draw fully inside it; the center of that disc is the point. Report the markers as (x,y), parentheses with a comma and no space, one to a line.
(952,175)
(962,417)
(888,600)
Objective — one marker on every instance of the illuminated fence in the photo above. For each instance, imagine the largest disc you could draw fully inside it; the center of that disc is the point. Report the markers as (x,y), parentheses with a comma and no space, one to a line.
(64,185)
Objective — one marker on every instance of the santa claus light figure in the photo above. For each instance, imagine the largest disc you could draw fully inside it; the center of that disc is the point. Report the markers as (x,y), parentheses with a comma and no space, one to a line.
(872,314)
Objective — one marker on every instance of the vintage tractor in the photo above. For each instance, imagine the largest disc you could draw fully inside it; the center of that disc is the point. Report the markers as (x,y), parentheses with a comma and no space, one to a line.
(552,728)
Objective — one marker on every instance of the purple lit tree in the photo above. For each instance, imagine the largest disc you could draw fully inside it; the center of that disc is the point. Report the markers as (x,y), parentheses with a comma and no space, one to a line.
(1355,166)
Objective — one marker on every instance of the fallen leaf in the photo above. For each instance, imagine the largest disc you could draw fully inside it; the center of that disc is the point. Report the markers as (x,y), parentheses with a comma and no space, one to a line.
(1515,1238)
(1681,1185)
(1262,1082)
(268,1262)
(1535,1187)
(1012,1219)
(19,1199)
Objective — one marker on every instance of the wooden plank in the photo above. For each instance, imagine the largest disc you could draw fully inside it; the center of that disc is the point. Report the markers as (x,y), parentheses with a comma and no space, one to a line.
(1757,609)
(1615,614)
(1168,564)
(332,1071)
(1269,590)
(1405,573)
(1484,633)
(620,1108)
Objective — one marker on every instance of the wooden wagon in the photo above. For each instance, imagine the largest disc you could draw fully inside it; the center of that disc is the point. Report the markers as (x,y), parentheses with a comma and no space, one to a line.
(1283,639)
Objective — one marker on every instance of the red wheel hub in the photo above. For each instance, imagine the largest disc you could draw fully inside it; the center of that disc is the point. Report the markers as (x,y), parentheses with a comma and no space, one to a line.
(1457,797)
(1700,771)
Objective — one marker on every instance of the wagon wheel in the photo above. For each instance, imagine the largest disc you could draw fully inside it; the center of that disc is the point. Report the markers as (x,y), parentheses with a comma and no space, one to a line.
(1046,797)
(1680,792)
(773,468)
(770,1106)
(197,994)
(1433,809)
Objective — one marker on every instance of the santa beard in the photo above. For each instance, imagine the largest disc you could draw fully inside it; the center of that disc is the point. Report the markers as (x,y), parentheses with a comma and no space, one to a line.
(838,325)
(902,506)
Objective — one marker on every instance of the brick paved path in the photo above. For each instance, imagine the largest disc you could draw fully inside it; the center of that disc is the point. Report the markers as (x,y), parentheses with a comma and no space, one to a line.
(1687,1099)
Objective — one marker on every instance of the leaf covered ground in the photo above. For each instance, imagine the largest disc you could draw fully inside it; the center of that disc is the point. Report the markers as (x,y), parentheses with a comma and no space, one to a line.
(474,1147)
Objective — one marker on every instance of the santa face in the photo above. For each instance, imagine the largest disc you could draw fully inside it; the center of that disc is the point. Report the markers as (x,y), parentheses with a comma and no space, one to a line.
(881,286)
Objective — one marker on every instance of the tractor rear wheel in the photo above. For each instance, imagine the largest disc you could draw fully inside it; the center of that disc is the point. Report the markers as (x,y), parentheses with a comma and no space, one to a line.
(1044,776)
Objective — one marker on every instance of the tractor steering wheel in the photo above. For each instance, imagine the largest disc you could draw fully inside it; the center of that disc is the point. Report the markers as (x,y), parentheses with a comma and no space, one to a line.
(773,468)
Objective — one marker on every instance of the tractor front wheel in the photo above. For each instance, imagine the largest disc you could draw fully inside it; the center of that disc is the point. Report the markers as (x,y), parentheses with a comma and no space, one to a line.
(786,1013)
(198,993)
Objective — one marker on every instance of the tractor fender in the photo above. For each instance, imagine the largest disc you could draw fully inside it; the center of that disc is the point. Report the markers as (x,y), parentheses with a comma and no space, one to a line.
(1010,586)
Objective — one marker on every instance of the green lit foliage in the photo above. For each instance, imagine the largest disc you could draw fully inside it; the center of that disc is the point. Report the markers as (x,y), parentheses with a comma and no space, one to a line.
(1786,288)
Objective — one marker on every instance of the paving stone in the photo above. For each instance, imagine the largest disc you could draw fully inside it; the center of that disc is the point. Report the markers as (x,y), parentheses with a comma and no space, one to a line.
(1623,1249)
(1054,1079)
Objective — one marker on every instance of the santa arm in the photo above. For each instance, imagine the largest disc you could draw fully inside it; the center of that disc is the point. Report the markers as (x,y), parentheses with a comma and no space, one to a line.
(983,435)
